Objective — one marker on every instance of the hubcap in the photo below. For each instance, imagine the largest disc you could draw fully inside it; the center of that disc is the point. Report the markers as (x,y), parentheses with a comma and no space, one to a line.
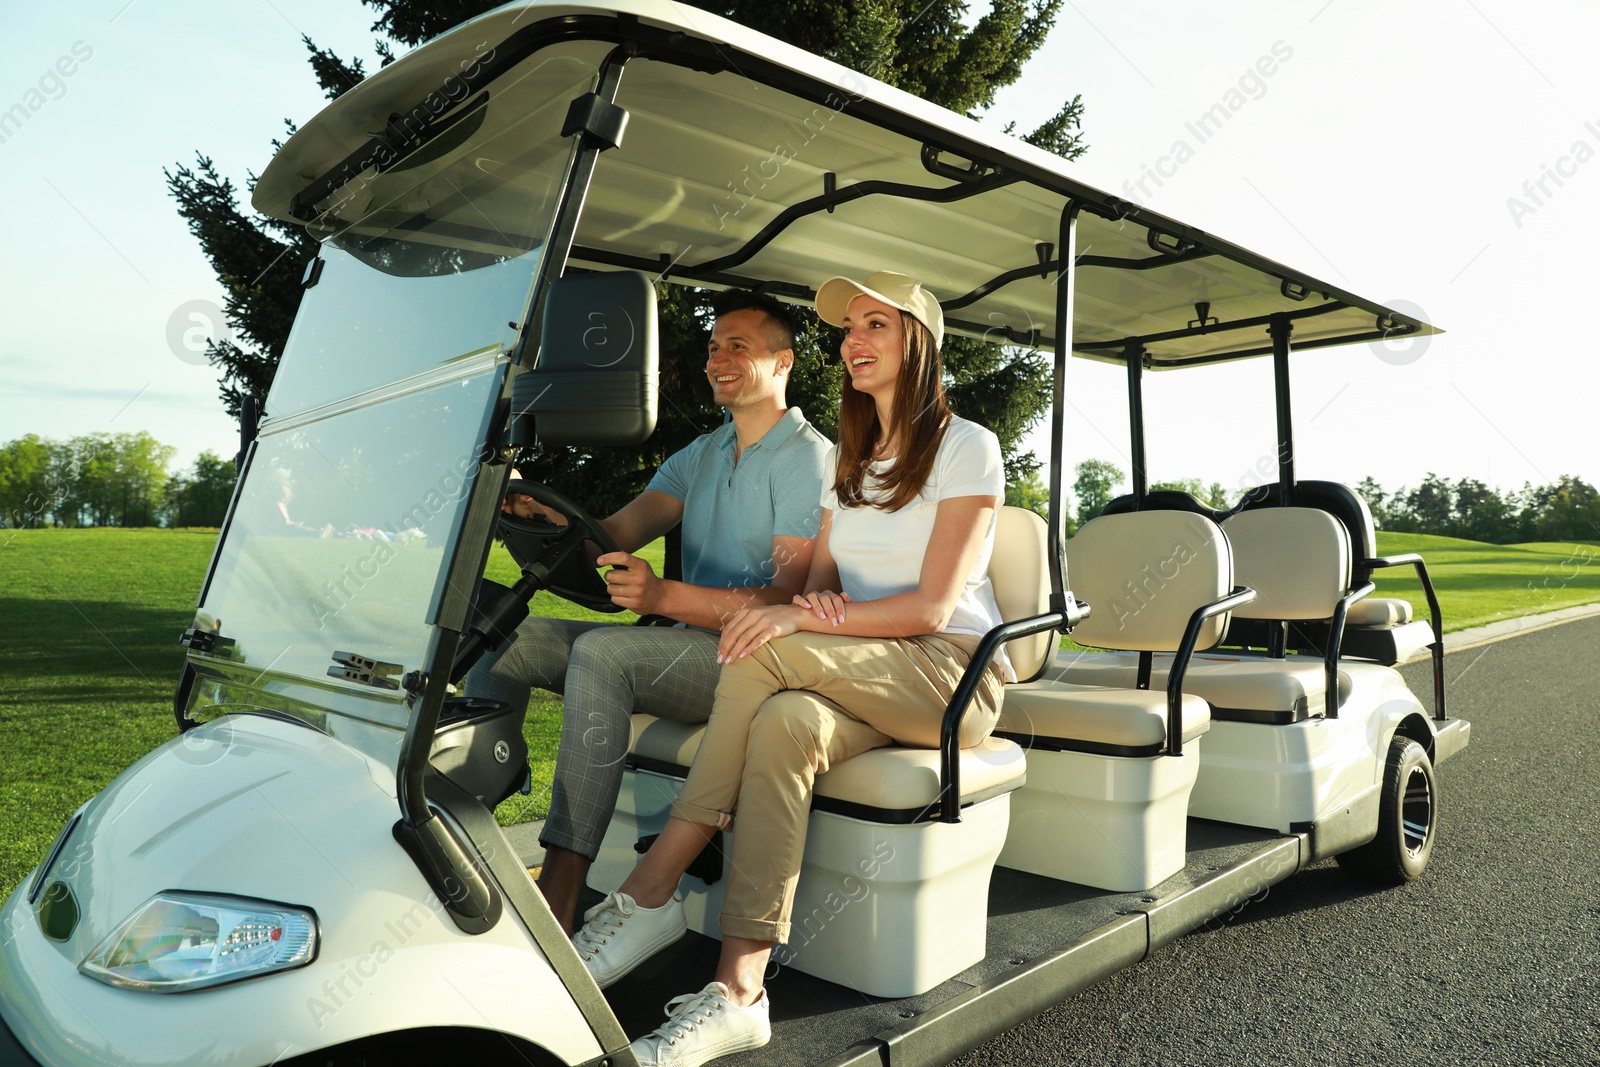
(1416,811)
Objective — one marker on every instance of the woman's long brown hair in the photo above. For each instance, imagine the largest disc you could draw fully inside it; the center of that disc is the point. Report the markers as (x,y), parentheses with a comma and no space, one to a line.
(920,418)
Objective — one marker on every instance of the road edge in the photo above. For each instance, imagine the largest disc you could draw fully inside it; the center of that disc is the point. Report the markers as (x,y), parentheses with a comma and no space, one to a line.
(1506,628)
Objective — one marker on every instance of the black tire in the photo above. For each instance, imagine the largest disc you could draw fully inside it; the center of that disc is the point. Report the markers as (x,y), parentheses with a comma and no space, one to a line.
(1408,819)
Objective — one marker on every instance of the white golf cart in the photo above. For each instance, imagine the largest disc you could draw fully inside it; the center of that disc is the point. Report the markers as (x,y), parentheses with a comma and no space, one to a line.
(310,872)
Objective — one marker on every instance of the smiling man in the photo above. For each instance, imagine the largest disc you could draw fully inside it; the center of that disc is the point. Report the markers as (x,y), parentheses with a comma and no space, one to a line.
(746,494)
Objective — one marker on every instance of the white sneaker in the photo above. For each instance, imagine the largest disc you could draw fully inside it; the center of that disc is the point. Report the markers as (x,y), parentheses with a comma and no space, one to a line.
(702,1026)
(618,935)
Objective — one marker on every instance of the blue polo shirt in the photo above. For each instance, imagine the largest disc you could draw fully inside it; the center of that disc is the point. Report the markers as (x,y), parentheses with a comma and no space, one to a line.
(732,511)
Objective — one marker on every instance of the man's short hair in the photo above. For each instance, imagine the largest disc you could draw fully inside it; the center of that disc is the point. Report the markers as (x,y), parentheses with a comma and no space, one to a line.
(781,324)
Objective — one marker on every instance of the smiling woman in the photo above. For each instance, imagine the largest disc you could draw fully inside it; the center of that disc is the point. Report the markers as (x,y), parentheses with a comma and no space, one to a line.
(896,602)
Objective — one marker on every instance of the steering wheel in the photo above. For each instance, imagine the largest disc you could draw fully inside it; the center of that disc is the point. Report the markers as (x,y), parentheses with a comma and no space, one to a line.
(553,556)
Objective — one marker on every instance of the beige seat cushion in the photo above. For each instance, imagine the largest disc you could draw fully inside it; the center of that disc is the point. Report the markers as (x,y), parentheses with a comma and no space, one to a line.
(1134,719)
(895,777)
(664,742)
(1379,611)
(1294,684)
(890,779)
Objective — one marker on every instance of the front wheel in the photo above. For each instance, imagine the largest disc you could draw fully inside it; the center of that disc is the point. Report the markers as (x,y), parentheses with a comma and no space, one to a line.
(1408,819)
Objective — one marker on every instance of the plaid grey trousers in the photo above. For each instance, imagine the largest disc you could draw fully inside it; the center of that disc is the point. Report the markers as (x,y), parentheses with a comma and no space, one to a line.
(605,673)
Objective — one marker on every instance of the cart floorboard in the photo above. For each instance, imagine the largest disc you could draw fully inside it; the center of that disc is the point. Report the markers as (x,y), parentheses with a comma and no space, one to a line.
(1046,940)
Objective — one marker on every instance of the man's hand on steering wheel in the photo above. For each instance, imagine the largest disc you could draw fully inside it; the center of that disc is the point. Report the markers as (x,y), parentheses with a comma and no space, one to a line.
(547,534)
(523,506)
(632,583)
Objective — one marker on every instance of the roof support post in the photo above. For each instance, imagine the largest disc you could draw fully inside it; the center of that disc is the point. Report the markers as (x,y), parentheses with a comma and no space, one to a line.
(1133,355)
(1066,279)
(455,870)
(595,124)
(1279,328)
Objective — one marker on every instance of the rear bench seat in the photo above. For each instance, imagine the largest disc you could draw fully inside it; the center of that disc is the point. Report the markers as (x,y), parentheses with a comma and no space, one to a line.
(1298,562)
(1107,795)
(1267,760)
(1382,629)
(1239,687)
(890,901)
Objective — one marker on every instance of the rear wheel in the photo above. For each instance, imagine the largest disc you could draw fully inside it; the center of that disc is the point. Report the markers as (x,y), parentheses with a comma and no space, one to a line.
(1408,819)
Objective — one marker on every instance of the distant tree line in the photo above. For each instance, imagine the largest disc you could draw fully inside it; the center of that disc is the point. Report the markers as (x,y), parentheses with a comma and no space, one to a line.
(1567,510)
(107,479)
(122,479)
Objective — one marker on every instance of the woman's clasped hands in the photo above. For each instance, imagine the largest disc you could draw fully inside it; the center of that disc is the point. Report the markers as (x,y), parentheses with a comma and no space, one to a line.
(750,628)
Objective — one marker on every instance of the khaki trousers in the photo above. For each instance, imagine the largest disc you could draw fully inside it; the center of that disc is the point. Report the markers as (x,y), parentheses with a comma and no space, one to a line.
(788,712)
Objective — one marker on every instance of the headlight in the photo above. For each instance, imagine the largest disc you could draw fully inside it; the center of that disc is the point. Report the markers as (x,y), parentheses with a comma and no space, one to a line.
(177,941)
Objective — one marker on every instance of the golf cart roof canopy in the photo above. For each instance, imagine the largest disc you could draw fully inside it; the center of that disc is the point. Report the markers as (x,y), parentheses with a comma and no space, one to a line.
(746,162)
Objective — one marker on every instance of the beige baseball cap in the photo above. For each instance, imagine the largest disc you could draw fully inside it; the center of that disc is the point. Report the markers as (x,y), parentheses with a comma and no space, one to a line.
(896,290)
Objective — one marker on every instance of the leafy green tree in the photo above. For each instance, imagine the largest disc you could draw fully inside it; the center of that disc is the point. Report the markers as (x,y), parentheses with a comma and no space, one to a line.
(1481,514)
(1569,510)
(1425,509)
(923,46)
(1029,491)
(1213,495)
(214,477)
(120,479)
(200,496)
(174,501)
(87,498)
(1096,479)
(65,480)
(27,499)
(1376,499)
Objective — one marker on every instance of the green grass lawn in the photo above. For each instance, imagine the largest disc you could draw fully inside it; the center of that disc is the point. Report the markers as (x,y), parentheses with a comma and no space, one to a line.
(91,620)
(1478,583)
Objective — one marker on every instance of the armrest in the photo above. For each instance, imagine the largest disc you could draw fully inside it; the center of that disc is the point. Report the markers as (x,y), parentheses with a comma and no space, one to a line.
(1413,559)
(1435,618)
(950,728)
(1241,595)
(1330,655)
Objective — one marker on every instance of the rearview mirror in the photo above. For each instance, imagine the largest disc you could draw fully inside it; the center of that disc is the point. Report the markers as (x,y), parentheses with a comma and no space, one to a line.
(595,380)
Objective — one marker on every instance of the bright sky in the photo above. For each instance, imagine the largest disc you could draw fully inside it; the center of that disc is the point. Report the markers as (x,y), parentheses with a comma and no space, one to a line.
(1380,152)
(1379,155)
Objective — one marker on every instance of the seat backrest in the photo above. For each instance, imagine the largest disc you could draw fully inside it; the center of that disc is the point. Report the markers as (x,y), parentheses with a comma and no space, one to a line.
(1296,559)
(1144,573)
(1338,500)
(1019,572)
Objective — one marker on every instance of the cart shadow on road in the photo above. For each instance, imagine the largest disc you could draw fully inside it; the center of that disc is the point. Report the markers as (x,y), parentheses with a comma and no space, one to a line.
(1324,884)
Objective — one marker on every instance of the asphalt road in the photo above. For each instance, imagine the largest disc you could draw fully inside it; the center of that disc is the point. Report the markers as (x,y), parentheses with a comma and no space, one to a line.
(1491,958)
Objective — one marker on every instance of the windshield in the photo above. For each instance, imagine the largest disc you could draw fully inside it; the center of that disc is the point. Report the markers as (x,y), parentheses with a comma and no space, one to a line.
(434,259)
(338,542)
(350,508)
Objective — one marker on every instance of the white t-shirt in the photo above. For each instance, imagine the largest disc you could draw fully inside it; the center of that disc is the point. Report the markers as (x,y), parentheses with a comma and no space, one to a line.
(879,553)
